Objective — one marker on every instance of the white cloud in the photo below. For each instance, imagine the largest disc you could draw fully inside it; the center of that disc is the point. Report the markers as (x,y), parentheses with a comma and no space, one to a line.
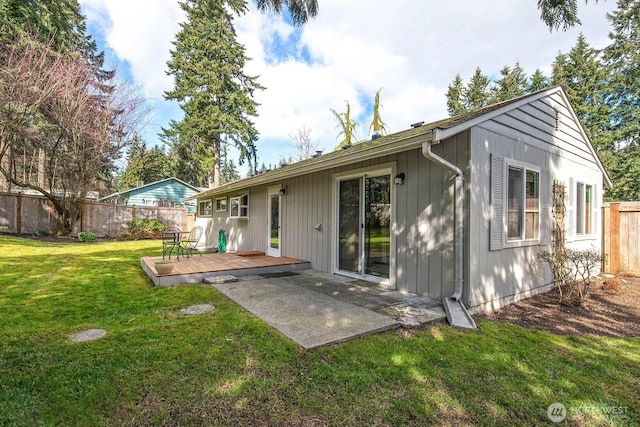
(139,33)
(410,49)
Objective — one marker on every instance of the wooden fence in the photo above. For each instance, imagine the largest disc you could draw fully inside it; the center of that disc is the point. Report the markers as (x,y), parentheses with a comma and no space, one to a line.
(26,214)
(621,237)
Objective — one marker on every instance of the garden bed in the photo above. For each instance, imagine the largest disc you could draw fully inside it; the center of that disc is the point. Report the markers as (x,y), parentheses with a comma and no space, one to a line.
(612,309)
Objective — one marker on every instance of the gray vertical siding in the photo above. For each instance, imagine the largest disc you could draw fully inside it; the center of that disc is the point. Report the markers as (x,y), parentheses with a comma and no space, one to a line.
(423,214)
(542,133)
(526,134)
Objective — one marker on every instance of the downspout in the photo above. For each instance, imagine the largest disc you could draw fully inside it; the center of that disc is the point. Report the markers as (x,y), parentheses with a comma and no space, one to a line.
(459,208)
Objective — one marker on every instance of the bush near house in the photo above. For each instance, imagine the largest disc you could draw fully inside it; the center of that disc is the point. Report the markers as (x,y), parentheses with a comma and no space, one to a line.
(145,228)
(87,236)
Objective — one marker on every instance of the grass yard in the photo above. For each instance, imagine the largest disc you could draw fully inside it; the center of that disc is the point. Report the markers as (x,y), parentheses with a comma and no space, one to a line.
(226,367)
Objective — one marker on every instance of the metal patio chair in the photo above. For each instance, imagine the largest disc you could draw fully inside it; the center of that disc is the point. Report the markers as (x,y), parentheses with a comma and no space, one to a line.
(171,242)
(190,243)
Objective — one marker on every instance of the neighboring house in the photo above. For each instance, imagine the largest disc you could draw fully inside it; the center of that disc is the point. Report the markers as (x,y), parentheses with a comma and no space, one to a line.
(459,207)
(91,195)
(167,192)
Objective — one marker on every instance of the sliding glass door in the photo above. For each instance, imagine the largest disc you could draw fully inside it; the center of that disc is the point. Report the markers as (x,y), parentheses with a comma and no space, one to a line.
(364,225)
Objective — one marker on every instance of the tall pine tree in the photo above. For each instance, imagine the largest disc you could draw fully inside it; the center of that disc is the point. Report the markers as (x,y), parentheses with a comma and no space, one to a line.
(455,96)
(478,93)
(216,96)
(513,83)
(622,58)
(583,76)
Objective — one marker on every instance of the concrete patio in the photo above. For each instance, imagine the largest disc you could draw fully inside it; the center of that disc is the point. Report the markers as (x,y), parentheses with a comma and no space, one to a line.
(311,308)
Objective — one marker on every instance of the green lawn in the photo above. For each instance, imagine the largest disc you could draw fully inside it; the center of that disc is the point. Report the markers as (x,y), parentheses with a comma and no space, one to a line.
(158,367)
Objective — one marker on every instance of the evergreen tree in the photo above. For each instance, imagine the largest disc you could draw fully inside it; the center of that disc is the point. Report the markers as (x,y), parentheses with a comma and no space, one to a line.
(188,158)
(537,81)
(554,13)
(300,10)
(513,83)
(481,91)
(559,13)
(144,166)
(455,96)
(214,93)
(584,78)
(478,92)
(622,57)
(228,171)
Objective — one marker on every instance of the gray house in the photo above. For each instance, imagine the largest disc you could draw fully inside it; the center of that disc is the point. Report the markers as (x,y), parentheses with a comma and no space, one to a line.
(166,192)
(454,208)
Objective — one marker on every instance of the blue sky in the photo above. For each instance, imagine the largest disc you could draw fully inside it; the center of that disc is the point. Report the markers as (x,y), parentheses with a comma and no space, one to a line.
(411,49)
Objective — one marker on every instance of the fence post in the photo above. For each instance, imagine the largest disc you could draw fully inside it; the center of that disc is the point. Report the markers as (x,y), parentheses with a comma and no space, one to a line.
(614,230)
(19,214)
(606,237)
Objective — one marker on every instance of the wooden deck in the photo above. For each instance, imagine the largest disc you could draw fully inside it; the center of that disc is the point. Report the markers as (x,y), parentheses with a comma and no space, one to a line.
(197,267)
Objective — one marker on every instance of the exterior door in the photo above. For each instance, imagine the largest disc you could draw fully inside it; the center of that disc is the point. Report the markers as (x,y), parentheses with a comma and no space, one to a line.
(274,240)
(364,226)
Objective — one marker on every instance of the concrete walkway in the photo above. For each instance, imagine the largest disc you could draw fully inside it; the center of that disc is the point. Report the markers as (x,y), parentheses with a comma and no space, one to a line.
(316,309)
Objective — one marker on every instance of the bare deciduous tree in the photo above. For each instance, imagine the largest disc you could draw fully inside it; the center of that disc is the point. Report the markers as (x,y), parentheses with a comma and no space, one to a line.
(56,110)
(303,144)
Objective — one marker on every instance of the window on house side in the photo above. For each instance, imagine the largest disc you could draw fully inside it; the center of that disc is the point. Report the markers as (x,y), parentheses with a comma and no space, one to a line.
(532,209)
(221,204)
(523,204)
(239,206)
(204,208)
(584,209)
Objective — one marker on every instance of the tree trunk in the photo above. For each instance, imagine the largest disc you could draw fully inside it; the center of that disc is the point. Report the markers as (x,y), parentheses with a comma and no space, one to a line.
(41,167)
(5,183)
(216,161)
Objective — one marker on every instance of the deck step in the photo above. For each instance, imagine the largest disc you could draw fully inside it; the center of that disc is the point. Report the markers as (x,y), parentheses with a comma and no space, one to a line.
(218,280)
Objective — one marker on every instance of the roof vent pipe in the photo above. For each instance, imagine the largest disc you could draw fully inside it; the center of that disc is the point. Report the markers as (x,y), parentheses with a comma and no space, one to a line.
(459,212)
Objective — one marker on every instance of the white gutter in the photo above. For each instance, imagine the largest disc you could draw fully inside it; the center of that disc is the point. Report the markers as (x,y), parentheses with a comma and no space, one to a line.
(459,209)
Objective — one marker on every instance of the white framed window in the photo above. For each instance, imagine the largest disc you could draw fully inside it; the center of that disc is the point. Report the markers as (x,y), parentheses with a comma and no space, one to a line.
(204,208)
(221,204)
(515,204)
(584,209)
(239,206)
(523,203)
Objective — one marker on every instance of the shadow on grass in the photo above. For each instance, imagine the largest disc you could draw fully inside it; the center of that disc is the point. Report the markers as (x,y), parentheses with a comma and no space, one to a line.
(226,367)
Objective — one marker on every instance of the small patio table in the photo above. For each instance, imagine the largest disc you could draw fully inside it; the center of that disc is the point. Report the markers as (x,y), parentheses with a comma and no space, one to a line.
(171,241)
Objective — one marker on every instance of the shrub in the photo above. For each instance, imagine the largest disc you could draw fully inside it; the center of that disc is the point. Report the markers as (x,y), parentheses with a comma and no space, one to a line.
(139,228)
(572,271)
(3,228)
(41,233)
(135,228)
(87,236)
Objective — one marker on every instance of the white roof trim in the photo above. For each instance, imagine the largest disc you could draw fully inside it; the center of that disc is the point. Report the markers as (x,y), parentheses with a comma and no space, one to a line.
(442,134)
(147,185)
(407,143)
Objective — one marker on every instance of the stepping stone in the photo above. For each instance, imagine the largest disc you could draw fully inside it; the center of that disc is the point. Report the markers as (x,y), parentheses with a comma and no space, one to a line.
(196,309)
(218,280)
(89,335)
